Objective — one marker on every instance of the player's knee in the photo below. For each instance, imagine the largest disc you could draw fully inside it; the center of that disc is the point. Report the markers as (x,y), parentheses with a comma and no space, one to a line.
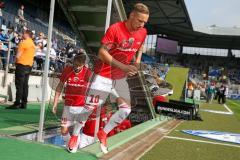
(122,113)
(124,109)
(121,101)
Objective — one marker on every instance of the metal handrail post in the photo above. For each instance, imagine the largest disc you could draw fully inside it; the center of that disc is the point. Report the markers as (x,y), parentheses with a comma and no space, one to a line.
(7,65)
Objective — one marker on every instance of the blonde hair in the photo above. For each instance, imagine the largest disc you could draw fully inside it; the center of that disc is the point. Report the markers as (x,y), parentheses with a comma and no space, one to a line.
(141,8)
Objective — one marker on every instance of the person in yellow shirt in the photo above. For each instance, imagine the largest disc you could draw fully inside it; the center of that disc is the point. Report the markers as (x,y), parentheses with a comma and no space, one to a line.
(24,62)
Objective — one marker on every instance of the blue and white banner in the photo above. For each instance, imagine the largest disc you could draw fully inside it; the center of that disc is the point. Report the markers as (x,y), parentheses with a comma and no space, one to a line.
(215,135)
(234,96)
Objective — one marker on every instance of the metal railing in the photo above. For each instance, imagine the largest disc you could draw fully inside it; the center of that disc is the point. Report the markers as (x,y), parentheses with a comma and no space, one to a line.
(8,64)
(7,59)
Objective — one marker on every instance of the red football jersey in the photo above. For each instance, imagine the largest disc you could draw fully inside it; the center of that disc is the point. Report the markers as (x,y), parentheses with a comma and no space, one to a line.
(76,85)
(122,46)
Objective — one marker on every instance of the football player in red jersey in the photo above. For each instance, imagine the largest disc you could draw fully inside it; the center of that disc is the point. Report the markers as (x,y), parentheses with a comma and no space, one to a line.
(75,80)
(121,44)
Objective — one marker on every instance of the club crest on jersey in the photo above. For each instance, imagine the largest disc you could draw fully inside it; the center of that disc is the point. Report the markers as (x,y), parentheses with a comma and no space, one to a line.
(75,79)
(127,43)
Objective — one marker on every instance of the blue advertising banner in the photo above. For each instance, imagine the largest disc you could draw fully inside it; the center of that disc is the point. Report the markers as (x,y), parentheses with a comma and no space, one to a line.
(215,135)
(234,96)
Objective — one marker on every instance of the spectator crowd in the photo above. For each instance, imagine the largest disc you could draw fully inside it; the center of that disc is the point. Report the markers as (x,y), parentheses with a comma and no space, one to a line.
(14,35)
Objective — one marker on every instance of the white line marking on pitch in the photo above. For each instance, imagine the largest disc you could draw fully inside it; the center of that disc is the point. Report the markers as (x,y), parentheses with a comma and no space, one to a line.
(217,112)
(201,141)
(233,102)
(159,140)
(229,110)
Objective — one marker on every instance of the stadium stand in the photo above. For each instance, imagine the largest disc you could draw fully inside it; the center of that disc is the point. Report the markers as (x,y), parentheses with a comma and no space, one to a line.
(204,70)
(63,36)
(200,64)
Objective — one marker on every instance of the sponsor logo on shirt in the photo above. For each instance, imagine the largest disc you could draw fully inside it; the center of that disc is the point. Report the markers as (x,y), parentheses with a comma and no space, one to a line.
(75,85)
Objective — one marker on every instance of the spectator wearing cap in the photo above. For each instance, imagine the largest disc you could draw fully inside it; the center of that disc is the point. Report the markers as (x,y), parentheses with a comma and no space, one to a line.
(24,62)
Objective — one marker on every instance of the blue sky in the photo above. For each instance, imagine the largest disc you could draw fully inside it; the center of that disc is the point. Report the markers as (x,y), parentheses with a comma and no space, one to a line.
(223,13)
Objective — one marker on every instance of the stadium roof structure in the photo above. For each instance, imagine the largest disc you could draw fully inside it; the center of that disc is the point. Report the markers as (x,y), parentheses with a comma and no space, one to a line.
(168,18)
(88,19)
(216,30)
